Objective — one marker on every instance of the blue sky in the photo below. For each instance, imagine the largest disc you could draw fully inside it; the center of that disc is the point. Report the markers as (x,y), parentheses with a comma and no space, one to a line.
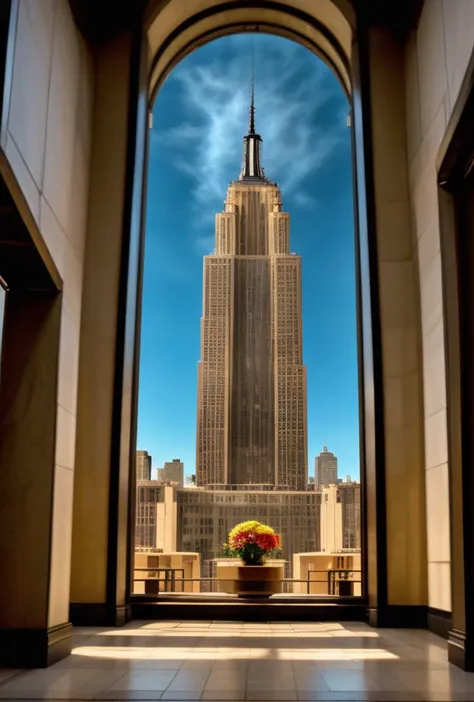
(200,117)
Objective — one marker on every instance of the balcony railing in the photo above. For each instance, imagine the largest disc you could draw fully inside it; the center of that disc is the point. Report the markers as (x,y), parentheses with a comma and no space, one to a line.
(331,583)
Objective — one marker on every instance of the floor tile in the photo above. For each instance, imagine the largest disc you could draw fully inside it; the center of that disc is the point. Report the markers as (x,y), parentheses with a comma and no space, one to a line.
(327,662)
(349,681)
(7,673)
(181,696)
(452,680)
(311,681)
(271,695)
(129,695)
(144,680)
(211,695)
(189,681)
(314,695)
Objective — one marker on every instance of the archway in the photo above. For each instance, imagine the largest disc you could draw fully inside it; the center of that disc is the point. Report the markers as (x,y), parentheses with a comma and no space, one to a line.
(171,31)
(174,32)
(199,118)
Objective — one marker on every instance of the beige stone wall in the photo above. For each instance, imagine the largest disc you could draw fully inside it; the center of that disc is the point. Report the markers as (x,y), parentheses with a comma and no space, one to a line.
(436,59)
(99,326)
(47,143)
(399,322)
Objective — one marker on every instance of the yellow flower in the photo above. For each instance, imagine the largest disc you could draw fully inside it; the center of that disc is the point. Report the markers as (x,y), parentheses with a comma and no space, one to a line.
(251,525)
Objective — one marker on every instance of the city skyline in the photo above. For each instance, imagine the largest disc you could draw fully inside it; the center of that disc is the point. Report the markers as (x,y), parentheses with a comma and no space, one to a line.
(185,144)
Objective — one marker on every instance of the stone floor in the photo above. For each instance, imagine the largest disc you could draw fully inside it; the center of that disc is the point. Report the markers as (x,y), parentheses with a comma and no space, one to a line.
(236,661)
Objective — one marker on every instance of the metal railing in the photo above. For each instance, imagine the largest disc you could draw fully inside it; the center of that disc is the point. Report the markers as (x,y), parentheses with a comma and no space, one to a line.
(336,582)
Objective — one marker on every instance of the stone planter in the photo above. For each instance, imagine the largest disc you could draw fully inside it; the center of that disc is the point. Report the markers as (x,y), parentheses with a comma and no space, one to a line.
(250,581)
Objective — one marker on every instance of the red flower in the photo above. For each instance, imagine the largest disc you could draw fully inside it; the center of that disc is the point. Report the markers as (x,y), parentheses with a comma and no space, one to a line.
(267,542)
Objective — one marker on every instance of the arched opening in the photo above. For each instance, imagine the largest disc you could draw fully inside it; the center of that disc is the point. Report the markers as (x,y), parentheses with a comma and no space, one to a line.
(173,30)
(118,513)
(206,26)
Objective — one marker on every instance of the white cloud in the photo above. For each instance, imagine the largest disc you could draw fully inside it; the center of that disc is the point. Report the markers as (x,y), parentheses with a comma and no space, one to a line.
(303,199)
(291,88)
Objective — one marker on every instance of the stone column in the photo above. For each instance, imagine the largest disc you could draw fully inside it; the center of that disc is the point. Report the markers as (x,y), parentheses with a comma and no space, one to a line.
(105,446)
(30,485)
(394,482)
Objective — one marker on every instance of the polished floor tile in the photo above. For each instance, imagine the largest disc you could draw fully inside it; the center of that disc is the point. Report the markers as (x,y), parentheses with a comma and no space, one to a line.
(232,661)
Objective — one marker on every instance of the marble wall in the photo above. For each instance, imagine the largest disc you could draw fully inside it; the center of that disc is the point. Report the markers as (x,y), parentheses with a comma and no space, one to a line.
(436,59)
(47,142)
(99,327)
(399,306)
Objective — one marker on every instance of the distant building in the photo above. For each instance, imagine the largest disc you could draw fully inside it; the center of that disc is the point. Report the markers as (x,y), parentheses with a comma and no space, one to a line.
(205,518)
(172,472)
(143,465)
(340,517)
(149,493)
(325,468)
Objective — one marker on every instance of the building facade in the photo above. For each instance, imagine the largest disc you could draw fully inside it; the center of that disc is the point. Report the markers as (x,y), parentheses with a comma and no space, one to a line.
(172,472)
(143,463)
(251,409)
(205,518)
(340,525)
(325,468)
(149,493)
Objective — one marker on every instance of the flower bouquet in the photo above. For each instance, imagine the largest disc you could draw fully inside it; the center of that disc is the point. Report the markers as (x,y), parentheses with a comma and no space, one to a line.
(252,541)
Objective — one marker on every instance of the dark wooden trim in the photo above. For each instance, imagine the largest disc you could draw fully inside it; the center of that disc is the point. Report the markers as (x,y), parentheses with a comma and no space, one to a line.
(255,4)
(439,622)
(360,366)
(398,616)
(123,441)
(460,650)
(247,611)
(140,231)
(34,648)
(374,544)
(99,614)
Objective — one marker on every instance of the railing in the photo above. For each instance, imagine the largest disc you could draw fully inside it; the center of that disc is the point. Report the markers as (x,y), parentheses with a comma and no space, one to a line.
(334,583)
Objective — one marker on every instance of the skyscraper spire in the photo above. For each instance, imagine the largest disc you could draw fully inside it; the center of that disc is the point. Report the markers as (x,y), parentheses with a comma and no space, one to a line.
(252,108)
(251,167)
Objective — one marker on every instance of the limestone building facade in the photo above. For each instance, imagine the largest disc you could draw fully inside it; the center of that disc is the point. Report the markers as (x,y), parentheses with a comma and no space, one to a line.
(172,472)
(251,414)
(325,468)
(143,465)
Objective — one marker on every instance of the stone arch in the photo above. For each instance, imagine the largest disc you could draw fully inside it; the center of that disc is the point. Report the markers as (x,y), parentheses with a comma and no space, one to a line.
(175,29)
(369,63)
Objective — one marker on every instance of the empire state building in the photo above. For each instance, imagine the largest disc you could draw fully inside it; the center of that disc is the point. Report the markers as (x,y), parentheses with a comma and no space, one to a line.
(251,410)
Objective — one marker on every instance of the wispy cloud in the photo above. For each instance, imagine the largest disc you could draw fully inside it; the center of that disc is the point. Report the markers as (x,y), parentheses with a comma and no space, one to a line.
(303,199)
(292,87)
